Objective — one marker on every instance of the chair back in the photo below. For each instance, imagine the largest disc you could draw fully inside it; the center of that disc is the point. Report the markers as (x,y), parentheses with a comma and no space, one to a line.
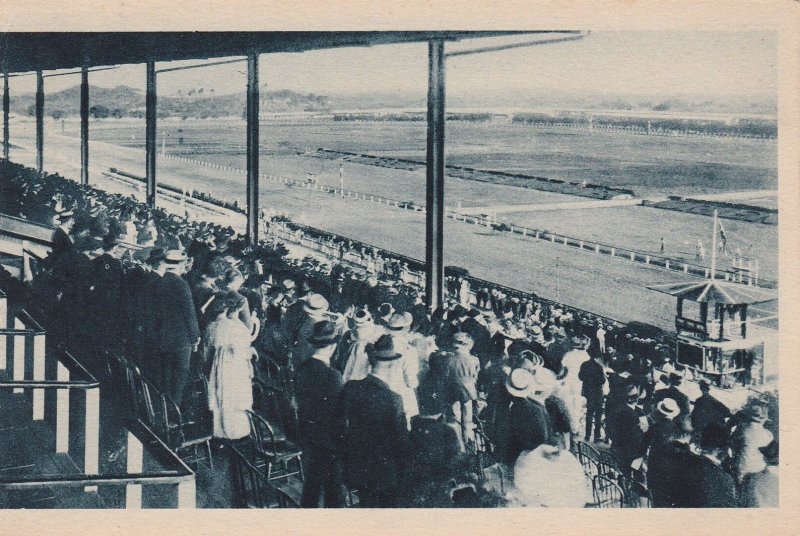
(262,434)
(275,406)
(607,493)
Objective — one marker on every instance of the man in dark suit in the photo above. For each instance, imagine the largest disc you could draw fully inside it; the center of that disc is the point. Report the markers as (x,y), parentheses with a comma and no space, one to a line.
(529,423)
(179,333)
(625,429)
(371,432)
(317,388)
(668,468)
(69,271)
(673,392)
(437,453)
(593,378)
(105,304)
(708,410)
(62,240)
(141,296)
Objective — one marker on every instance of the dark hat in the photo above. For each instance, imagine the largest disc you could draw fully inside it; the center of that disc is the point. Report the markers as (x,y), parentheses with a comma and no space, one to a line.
(385,310)
(675,378)
(111,240)
(361,316)
(714,437)
(156,256)
(383,349)
(459,311)
(325,333)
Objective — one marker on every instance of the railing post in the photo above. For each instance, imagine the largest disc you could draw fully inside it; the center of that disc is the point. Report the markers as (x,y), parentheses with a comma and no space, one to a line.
(187,494)
(62,411)
(92,432)
(133,492)
(38,375)
(19,355)
(3,338)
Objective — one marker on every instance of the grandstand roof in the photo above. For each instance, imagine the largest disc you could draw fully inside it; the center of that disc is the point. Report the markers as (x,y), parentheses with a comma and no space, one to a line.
(716,291)
(24,52)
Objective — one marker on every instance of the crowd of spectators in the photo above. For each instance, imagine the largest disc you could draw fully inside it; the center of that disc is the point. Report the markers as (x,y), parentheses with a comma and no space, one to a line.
(393,401)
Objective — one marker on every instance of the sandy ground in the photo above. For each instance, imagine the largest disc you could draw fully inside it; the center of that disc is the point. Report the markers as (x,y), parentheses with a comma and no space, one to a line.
(607,286)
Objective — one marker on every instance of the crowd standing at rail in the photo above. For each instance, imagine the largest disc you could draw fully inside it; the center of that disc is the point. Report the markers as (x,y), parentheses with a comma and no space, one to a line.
(404,406)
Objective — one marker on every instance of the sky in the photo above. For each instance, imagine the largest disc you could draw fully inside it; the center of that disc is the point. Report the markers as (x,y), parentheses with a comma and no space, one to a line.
(637,62)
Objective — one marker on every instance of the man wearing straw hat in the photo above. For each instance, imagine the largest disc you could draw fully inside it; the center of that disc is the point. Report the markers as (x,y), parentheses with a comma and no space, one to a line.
(179,333)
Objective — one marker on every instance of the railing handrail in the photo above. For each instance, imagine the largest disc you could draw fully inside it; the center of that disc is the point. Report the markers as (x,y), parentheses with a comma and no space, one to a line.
(48,384)
(26,318)
(179,474)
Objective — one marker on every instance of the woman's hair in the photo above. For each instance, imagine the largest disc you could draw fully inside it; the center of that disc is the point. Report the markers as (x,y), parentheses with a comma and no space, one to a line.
(234,301)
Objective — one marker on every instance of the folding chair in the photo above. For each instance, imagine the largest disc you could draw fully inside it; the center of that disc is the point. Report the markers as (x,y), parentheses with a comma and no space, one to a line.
(275,406)
(607,493)
(273,453)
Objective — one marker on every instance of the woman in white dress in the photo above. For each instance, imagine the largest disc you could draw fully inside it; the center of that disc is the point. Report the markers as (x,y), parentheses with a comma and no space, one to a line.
(230,389)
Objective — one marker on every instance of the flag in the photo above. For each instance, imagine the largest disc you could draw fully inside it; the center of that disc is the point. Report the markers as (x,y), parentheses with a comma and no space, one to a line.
(722,232)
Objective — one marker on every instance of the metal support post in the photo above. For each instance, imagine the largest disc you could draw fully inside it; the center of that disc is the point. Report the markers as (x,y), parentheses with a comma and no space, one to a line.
(150,134)
(85,125)
(252,148)
(434,218)
(39,121)
(6,108)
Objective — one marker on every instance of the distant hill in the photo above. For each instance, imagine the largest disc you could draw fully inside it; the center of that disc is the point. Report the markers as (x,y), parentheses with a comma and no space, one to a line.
(124,101)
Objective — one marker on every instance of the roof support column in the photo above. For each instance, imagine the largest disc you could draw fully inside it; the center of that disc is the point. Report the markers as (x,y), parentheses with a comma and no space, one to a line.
(434,219)
(150,134)
(84,125)
(6,107)
(39,121)
(252,148)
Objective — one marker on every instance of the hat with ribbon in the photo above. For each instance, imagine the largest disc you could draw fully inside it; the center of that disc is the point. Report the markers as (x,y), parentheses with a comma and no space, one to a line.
(668,408)
(383,349)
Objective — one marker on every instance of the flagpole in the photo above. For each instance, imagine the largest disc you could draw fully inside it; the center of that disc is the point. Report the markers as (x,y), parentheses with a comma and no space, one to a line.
(714,247)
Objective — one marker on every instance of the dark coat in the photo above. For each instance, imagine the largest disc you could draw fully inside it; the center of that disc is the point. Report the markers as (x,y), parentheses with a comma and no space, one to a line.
(668,469)
(178,328)
(708,410)
(435,449)
(60,243)
(483,347)
(105,298)
(371,435)
(593,377)
(709,485)
(627,438)
(317,388)
(529,426)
